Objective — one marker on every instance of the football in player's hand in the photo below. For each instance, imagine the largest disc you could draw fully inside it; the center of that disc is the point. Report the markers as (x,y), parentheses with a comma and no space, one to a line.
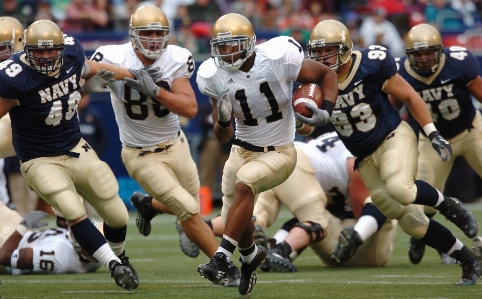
(307,93)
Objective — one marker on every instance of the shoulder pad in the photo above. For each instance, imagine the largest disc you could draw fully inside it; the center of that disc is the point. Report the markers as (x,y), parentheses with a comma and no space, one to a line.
(276,47)
(207,69)
(114,53)
(179,54)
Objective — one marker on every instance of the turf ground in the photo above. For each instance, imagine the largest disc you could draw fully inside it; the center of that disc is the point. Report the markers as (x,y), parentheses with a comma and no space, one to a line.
(165,272)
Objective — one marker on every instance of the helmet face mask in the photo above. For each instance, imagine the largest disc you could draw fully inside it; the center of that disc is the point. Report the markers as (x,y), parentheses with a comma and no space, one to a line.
(44,47)
(149,31)
(232,42)
(424,49)
(332,34)
(11,36)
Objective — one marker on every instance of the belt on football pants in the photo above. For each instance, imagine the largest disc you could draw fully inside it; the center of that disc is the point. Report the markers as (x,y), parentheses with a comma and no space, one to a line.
(252,147)
(159,149)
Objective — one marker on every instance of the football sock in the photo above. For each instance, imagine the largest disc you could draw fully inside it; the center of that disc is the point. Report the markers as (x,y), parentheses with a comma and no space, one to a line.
(116,238)
(227,246)
(88,236)
(427,195)
(439,237)
(248,254)
(104,255)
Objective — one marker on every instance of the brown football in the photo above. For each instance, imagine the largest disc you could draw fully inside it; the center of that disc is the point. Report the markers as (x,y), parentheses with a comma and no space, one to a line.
(307,93)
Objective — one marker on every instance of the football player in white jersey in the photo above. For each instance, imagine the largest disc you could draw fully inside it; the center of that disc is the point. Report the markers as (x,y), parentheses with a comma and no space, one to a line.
(334,214)
(49,251)
(385,147)
(155,151)
(253,85)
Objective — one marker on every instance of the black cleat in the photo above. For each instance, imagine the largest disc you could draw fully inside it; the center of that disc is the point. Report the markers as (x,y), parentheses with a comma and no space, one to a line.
(232,276)
(123,275)
(248,272)
(348,242)
(125,261)
(188,248)
(260,238)
(456,213)
(470,264)
(216,269)
(145,212)
(416,249)
(279,261)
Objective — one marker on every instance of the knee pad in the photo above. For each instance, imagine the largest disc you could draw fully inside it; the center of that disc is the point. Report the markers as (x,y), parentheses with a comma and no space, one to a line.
(315,229)
(387,205)
(181,203)
(414,222)
(404,194)
(102,180)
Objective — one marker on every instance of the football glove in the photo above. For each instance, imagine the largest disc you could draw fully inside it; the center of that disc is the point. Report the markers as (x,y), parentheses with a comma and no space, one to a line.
(225,107)
(155,73)
(143,83)
(98,82)
(320,117)
(441,146)
(32,220)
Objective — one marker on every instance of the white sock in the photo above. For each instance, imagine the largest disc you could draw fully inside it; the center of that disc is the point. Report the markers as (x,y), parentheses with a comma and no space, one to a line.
(280,235)
(440,199)
(104,255)
(366,226)
(118,248)
(457,246)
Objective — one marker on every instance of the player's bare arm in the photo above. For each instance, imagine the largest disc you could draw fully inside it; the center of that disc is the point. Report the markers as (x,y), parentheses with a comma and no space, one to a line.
(312,71)
(181,100)
(25,255)
(397,87)
(475,88)
(120,73)
(6,105)
(223,134)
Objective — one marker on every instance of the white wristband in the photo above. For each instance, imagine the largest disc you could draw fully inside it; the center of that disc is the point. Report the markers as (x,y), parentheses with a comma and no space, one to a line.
(14,259)
(429,128)
(22,230)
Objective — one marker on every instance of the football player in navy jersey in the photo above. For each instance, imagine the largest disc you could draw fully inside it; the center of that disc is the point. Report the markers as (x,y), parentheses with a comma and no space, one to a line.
(253,84)
(385,147)
(40,87)
(445,78)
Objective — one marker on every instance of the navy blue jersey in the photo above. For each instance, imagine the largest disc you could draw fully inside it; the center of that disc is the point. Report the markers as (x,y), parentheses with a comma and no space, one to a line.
(45,122)
(445,91)
(363,115)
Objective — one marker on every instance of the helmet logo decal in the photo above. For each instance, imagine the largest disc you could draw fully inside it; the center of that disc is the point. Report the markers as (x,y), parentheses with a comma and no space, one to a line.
(224,34)
(154,25)
(45,43)
(420,45)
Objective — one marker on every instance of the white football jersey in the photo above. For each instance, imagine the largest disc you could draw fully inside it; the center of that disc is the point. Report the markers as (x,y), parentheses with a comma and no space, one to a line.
(328,155)
(261,98)
(53,253)
(144,121)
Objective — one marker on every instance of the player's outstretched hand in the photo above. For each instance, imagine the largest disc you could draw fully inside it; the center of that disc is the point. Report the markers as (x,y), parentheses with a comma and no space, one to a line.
(144,83)
(441,146)
(98,82)
(32,220)
(320,117)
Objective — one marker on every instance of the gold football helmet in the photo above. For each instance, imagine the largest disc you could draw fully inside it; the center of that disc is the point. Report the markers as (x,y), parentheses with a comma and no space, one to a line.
(331,33)
(44,35)
(424,37)
(11,36)
(236,32)
(149,18)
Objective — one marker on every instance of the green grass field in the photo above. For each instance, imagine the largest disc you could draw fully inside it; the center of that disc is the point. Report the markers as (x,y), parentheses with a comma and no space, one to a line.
(165,272)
